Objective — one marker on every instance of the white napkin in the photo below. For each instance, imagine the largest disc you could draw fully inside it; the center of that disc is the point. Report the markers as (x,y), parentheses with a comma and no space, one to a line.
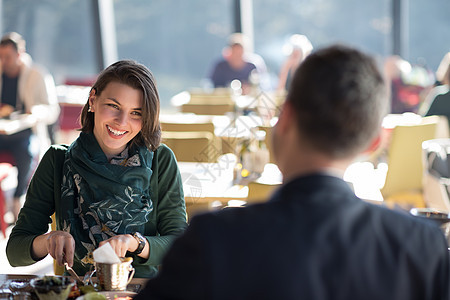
(105,254)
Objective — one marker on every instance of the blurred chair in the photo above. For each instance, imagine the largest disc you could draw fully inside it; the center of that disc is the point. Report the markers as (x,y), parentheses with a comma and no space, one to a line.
(216,102)
(193,146)
(404,177)
(260,192)
(436,181)
(188,126)
(207,109)
(216,96)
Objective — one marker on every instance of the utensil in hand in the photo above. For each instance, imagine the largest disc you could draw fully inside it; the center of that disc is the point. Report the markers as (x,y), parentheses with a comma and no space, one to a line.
(73,274)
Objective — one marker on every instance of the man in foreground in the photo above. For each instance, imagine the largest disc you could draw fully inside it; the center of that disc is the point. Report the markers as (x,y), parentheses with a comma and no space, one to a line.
(314,239)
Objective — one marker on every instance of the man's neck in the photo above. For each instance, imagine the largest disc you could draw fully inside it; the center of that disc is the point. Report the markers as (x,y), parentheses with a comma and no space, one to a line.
(13,72)
(306,164)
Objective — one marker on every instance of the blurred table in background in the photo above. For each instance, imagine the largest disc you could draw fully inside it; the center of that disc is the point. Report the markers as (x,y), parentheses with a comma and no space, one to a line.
(221,101)
(208,186)
(16,123)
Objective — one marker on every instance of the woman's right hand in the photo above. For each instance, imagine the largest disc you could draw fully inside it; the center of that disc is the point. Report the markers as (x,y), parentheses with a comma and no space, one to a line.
(59,244)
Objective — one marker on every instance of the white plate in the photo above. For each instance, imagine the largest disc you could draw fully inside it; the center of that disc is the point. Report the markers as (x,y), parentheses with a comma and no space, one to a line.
(112,295)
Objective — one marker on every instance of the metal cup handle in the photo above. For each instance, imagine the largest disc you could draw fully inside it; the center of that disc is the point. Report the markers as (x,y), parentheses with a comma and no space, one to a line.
(90,277)
(132,270)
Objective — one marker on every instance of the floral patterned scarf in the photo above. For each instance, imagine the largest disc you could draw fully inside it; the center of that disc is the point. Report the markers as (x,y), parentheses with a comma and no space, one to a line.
(100,199)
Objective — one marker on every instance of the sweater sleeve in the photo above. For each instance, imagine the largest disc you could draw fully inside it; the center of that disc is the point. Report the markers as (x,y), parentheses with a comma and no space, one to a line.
(171,219)
(35,216)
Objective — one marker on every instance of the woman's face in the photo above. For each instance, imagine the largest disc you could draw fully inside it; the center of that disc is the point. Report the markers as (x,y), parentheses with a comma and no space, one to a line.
(117,116)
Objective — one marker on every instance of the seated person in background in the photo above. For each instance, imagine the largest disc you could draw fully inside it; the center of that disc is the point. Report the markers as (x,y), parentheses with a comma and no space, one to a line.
(237,63)
(114,184)
(408,83)
(441,87)
(314,239)
(298,49)
(24,88)
(440,105)
(442,73)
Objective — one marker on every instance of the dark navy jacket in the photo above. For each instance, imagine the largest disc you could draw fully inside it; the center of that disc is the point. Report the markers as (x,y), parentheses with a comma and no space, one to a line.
(313,240)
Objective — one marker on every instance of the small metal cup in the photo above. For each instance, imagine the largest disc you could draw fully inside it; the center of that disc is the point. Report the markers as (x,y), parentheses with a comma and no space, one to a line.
(115,277)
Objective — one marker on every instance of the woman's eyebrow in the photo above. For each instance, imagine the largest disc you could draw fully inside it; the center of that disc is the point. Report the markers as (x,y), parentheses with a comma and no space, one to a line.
(116,101)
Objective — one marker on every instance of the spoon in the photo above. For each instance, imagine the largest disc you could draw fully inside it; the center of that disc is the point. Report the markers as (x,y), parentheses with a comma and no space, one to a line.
(73,274)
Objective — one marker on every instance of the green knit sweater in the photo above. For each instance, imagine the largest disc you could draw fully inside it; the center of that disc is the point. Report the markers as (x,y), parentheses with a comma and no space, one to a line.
(166,221)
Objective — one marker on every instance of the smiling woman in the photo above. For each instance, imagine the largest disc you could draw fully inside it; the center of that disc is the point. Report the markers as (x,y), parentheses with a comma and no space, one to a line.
(114,184)
(118,116)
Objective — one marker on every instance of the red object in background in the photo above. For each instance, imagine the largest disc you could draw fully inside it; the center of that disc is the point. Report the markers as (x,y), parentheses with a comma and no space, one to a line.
(4,171)
(68,118)
(80,81)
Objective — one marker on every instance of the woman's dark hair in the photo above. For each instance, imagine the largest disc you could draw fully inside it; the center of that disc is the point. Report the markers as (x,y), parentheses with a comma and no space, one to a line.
(138,77)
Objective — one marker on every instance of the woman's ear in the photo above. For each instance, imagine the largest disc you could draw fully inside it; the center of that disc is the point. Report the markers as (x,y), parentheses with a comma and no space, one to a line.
(92,95)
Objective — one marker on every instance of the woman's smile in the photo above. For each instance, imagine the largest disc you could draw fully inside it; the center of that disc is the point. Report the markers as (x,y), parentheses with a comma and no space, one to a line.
(116,133)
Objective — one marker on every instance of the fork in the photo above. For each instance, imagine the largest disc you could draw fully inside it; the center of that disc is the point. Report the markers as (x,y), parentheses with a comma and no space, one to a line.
(73,274)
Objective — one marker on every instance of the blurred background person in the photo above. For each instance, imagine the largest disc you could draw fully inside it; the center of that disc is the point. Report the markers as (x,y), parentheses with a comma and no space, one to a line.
(438,100)
(25,88)
(237,63)
(298,48)
(442,73)
(408,84)
(441,86)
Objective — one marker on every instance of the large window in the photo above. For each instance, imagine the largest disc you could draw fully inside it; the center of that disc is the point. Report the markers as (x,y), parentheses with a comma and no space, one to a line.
(179,40)
(59,35)
(359,23)
(364,24)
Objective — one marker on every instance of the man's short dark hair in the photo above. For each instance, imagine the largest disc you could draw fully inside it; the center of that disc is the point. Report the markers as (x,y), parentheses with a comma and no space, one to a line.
(14,39)
(340,99)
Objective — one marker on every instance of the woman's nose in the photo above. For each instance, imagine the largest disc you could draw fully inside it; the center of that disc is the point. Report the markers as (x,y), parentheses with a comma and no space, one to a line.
(121,117)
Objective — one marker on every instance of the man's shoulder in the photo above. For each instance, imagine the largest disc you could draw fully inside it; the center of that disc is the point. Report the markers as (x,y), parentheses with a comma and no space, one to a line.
(235,218)
(401,224)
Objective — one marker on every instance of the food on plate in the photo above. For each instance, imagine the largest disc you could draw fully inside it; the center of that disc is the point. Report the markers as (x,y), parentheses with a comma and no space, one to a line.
(74,292)
(52,287)
(85,289)
(94,296)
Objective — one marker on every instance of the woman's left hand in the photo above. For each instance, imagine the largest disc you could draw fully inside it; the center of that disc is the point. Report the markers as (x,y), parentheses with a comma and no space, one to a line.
(121,244)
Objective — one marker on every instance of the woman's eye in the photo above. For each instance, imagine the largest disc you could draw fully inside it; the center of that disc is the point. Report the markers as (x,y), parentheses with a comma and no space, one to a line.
(137,113)
(113,105)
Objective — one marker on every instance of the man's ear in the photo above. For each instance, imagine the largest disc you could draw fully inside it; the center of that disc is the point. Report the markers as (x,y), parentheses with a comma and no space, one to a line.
(286,118)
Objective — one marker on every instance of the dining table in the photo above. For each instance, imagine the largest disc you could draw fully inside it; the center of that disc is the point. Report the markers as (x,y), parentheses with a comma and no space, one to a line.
(16,123)
(17,286)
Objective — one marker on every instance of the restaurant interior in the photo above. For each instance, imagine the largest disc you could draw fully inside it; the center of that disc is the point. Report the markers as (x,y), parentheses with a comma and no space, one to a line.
(222,136)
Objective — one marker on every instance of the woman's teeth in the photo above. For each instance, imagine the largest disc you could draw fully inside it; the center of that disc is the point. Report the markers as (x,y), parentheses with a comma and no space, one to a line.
(115,132)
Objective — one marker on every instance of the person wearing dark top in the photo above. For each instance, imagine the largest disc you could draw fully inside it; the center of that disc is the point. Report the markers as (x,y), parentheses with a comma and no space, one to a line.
(313,239)
(237,64)
(440,105)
